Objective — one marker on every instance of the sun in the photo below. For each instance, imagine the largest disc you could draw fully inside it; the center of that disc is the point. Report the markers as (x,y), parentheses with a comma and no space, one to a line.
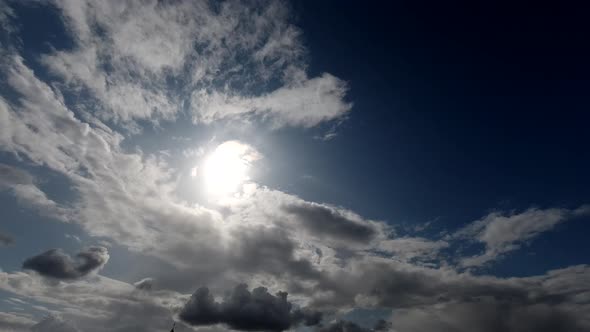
(226,168)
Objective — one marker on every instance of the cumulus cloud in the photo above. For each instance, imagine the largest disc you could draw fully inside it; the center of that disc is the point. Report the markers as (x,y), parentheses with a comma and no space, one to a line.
(244,310)
(502,233)
(56,264)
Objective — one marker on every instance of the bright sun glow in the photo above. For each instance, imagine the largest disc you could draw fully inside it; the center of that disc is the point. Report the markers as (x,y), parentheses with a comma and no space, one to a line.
(226,168)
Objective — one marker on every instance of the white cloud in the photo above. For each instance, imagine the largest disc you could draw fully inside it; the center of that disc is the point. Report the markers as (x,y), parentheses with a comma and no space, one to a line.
(220,58)
(407,248)
(306,104)
(95,304)
(502,233)
(15,322)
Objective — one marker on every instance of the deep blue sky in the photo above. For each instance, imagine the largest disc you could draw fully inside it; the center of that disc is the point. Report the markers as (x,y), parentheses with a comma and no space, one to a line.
(460,108)
(461,105)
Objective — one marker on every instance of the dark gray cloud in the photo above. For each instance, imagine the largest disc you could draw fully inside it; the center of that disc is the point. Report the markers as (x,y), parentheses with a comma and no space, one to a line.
(348,326)
(325,222)
(343,326)
(306,317)
(382,325)
(246,311)
(270,250)
(488,316)
(442,300)
(55,263)
(6,239)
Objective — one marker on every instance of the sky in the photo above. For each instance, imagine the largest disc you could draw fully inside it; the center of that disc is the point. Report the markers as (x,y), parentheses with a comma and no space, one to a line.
(309,166)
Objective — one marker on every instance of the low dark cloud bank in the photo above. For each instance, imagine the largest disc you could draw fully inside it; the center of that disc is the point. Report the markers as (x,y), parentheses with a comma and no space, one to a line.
(347,326)
(246,311)
(56,264)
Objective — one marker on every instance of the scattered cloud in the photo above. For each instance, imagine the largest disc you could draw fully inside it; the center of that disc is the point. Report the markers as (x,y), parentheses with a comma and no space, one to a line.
(505,232)
(327,222)
(127,53)
(56,264)
(143,63)
(97,303)
(244,310)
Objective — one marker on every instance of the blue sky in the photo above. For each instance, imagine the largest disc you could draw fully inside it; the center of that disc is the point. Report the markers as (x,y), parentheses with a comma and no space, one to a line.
(409,167)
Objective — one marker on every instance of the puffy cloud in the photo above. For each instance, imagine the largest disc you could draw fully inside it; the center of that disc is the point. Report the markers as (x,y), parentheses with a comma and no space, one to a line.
(268,249)
(56,264)
(502,233)
(244,310)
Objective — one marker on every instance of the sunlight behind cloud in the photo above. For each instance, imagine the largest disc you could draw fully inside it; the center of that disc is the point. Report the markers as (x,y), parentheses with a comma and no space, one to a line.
(226,168)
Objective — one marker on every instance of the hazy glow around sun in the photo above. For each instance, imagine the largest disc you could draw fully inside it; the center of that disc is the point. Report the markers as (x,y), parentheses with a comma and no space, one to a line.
(226,168)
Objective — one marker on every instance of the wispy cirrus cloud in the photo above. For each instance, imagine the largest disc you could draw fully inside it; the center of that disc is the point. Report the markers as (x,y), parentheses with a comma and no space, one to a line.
(505,232)
(225,61)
